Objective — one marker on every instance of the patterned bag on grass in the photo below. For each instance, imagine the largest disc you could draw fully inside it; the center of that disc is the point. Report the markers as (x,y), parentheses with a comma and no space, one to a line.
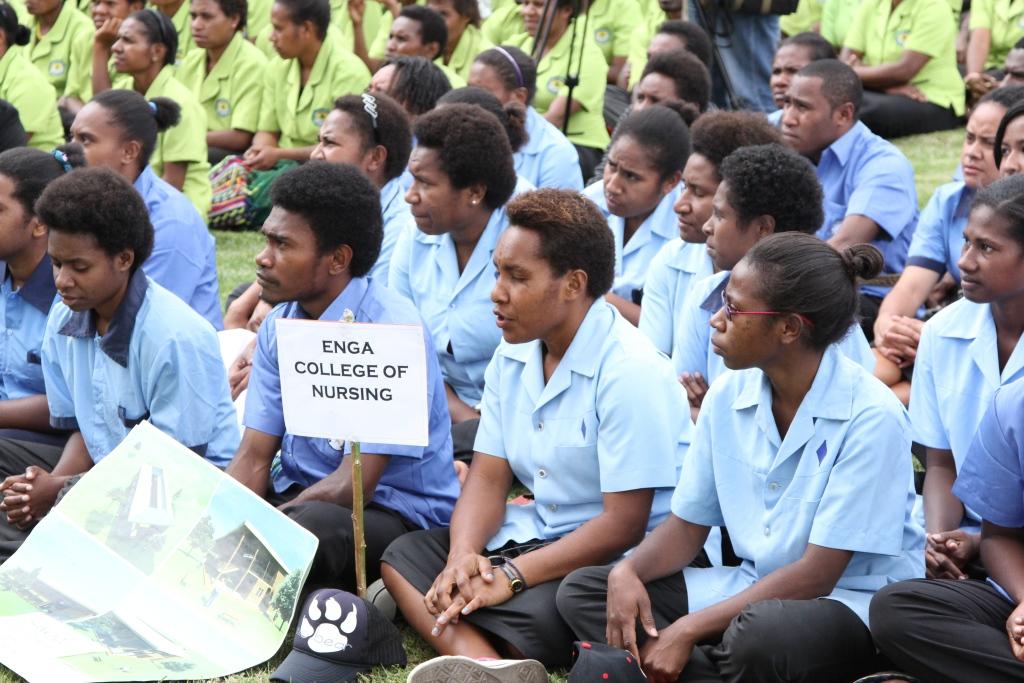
(241,197)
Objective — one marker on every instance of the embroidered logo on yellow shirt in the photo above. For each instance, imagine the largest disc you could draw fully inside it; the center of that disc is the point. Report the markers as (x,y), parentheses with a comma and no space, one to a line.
(57,68)
(222,106)
(901,35)
(555,83)
(319,116)
(603,35)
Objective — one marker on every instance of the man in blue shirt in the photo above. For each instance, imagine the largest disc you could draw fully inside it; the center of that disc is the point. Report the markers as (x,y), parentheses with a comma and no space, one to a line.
(118,349)
(868,184)
(323,237)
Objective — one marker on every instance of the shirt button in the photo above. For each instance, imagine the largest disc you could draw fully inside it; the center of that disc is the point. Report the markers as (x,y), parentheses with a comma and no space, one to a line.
(451,305)
(767,531)
(774,486)
(542,473)
(552,507)
(540,426)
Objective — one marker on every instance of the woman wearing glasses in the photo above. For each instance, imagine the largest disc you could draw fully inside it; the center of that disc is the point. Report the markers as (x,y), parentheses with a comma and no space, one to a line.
(764,190)
(805,458)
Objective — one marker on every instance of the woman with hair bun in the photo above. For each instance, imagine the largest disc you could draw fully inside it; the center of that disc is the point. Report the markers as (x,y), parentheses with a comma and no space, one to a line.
(822,451)
(547,158)
(145,48)
(640,185)
(21,85)
(118,129)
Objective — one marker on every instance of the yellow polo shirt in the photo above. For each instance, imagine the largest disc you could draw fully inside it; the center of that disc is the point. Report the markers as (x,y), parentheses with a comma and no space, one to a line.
(471,43)
(232,92)
(586,127)
(611,24)
(53,53)
(1005,20)
(79,81)
(295,112)
(184,143)
(836,17)
(807,14)
(881,34)
(504,25)
(183,26)
(641,38)
(34,98)
(258,18)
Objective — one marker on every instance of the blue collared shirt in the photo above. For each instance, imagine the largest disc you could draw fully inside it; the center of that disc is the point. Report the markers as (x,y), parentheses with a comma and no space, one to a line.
(547,159)
(840,478)
(692,351)
(184,258)
(939,237)
(24,312)
(395,212)
(672,271)
(956,372)
(456,307)
(576,437)
(159,361)
(419,482)
(863,174)
(633,258)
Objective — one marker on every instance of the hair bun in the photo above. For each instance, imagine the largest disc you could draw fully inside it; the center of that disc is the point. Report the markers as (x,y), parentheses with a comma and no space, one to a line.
(862,260)
(22,35)
(686,111)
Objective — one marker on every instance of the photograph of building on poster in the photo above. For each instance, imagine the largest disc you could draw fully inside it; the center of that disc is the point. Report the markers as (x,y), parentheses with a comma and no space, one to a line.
(177,572)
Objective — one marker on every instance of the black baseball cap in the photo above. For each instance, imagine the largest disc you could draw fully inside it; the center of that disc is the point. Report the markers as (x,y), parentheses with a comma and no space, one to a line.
(596,662)
(339,637)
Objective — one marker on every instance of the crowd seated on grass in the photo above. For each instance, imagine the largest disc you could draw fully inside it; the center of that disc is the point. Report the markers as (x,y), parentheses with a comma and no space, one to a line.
(720,386)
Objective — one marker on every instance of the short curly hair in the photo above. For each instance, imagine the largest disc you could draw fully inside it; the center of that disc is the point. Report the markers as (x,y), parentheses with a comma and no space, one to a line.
(472,147)
(718,134)
(391,131)
(573,234)
(341,206)
(772,180)
(687,73)
(98,202)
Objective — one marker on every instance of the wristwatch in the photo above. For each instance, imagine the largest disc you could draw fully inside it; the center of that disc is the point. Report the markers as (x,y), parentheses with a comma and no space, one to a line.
(515,582)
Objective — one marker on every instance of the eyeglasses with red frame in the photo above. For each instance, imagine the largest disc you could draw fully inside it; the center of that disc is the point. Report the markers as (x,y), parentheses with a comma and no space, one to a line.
(730,312)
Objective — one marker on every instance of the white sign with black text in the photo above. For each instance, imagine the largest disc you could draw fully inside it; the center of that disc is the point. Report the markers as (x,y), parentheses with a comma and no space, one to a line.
(354,381)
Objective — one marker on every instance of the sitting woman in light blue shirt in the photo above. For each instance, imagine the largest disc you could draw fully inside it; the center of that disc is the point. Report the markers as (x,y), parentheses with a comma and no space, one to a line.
(641,183)
(27,293)
(118,349)
(967,351)
(765,189)
(582,409)
(805,458)
(684,261)
(118,130)
(462,177)
(931,274)
(546,158)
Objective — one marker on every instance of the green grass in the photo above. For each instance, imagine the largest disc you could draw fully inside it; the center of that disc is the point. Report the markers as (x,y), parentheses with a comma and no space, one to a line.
(934,158)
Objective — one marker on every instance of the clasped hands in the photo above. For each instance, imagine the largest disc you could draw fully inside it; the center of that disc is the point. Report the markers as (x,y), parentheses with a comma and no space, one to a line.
(28,497)
(467,583)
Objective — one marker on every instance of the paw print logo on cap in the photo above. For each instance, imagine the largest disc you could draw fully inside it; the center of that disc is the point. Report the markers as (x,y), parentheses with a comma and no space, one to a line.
(331,634)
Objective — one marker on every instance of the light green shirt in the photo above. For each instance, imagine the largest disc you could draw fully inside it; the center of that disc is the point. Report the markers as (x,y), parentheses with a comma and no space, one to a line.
(611,24)
(184,143)
(504,24)
(34,98)
(471,43)
(641,38)
(232,92)
(295,112)
(53,53)
(1005,20)
(79,81)
(586,127)
(183,26)
(371,22)
(258,18)
(807,14)
(836,17)
(881,34)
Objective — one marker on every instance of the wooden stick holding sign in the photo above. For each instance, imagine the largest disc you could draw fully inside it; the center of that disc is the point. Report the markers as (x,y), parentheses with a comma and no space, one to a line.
(372,378)
(358,513)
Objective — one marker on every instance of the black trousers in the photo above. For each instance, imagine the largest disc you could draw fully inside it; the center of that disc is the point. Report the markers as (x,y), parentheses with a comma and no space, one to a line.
(18,454)
(334,561)
(942,631)
(812,641)
(894,116)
